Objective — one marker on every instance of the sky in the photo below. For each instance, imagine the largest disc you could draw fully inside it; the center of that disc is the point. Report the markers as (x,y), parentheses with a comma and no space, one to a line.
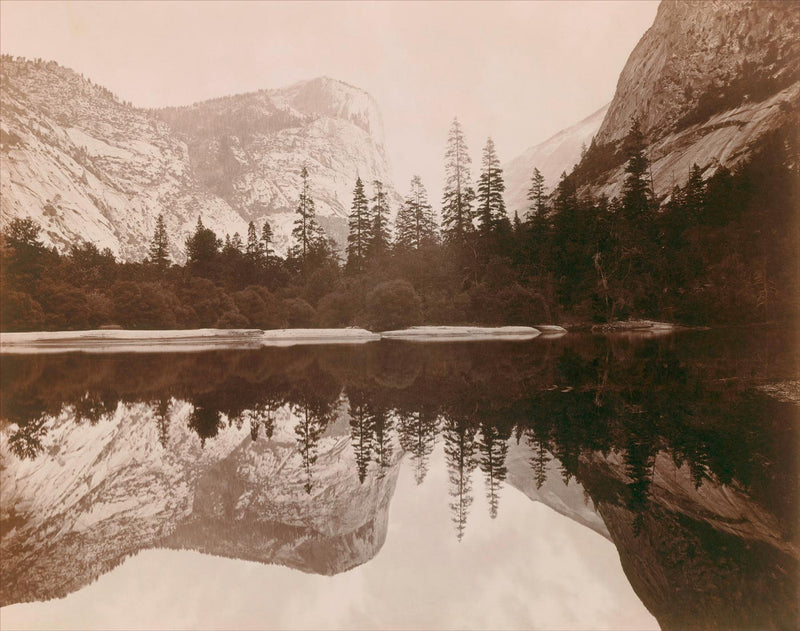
(516,71)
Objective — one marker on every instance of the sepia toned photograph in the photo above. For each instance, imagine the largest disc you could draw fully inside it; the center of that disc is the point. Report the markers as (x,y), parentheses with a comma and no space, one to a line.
(400,315)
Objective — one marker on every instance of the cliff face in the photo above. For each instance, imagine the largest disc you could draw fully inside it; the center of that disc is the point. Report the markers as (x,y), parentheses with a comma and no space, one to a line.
(249,149)
(704,556)
(87,166)
(100,493)
(706,81)
(558,154)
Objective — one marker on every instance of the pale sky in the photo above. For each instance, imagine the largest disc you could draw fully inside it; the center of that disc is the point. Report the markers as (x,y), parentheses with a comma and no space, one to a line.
(518,71)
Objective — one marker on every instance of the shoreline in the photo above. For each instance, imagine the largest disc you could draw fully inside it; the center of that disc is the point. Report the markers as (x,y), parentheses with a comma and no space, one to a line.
(187,340)
(196,340)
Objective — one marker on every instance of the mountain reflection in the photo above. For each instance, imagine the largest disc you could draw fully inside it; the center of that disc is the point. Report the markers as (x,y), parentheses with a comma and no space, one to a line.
(290,456)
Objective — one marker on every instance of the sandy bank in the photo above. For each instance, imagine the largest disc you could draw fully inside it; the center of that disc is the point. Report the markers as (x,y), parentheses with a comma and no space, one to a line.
(122,340)
(110,341)
(461,333)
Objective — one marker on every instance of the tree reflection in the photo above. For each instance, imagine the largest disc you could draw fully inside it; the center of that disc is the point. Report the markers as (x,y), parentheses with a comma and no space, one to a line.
(459,450)
(417,432)
(493,448)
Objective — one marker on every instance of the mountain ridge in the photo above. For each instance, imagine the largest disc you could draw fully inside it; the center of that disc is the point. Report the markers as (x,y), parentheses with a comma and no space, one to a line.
(87,166)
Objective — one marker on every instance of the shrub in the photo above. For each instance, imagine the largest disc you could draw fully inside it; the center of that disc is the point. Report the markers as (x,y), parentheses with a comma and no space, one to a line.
(393,305)
(20,312)
(299,314)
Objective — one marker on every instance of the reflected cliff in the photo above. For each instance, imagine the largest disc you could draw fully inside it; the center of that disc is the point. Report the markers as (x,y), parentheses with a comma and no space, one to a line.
(290,456)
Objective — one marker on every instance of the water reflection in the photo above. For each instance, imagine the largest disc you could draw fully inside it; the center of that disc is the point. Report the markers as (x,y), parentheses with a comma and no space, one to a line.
(291,456)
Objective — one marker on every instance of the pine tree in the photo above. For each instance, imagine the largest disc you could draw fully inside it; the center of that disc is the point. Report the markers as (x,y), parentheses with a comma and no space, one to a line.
(458,193)
(306,233)
(536,195)
(459,451)
(636,194)
(491,208)
(202,249)
(253,249)
(694,195)
(159,246)
(358,237)
(379,234)
(417,431)
(266,241)
(493,447)
(415,225)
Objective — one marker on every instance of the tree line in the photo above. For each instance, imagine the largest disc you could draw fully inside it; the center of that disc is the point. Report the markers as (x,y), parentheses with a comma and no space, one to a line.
(723,248)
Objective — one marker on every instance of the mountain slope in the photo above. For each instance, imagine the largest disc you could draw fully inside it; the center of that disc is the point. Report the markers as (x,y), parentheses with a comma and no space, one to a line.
(89,167)
(558,154)
(706,82)
(249,149)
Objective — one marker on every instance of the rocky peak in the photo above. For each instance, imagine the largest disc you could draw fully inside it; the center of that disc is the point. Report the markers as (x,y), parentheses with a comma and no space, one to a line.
(701,57)
(324,96)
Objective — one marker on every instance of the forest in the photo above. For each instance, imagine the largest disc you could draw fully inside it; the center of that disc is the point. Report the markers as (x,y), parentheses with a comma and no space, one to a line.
(721,249)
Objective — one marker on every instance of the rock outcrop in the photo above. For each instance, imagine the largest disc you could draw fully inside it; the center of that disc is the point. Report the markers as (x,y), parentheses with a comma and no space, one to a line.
(706,82)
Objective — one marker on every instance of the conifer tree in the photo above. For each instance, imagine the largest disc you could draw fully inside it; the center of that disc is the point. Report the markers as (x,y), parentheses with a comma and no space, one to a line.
(253,249)
(459,450)
(358,237)
(202,249)
(417,431)
(694,194)
(536,195)
(636,194)
(493,447)
(379,234)
(458,193)
(159,246)
(307,234)
(266,241)
(491,209)
(415,225)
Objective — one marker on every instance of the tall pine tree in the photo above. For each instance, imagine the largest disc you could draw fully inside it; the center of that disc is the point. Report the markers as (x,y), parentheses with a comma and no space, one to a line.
(159,246)
(307,234)
(415,226)
(458,193)
(491,207)
(379,238)
(253,248)
(266,242)
(360,229)
(536,195)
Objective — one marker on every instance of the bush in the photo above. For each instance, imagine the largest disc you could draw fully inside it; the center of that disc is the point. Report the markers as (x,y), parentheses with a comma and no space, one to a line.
(20,312)
(393,305)
(232,320)
(65,307)
(299,314)
(336,310)
(260,307)
(144,305)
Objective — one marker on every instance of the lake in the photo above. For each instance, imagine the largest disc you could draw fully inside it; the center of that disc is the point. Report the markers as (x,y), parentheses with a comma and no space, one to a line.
(586,481)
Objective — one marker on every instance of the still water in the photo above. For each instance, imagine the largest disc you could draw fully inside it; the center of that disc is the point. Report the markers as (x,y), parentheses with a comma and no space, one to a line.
(609,482)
